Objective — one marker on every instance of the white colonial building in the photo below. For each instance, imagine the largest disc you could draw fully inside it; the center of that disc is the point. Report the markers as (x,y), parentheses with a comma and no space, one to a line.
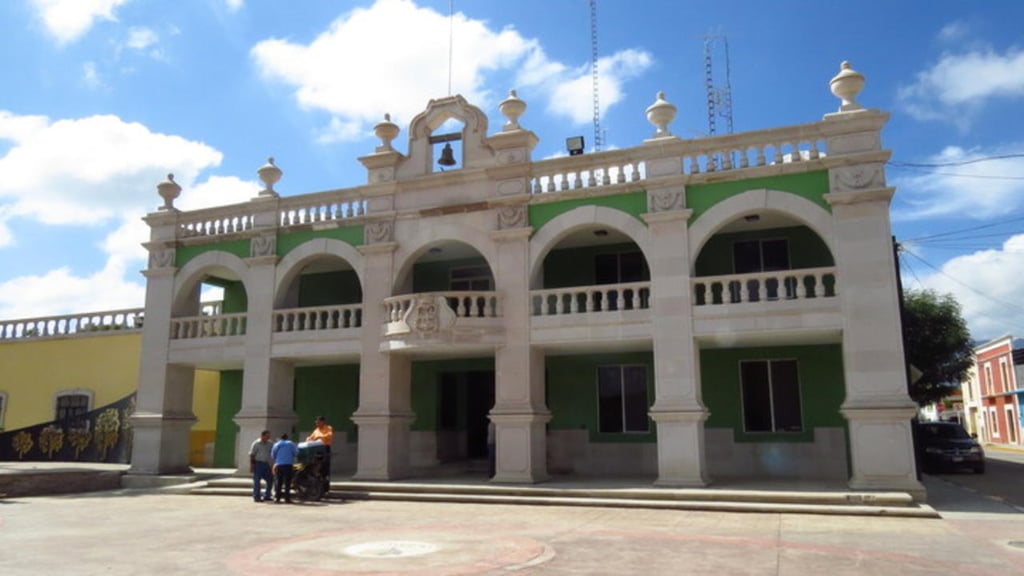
(685,310)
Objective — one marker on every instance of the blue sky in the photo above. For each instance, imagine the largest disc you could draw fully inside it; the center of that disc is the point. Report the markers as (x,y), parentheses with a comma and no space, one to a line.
(102,98)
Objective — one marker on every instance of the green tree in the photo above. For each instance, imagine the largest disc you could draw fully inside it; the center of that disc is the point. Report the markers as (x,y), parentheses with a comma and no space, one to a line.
(937,343)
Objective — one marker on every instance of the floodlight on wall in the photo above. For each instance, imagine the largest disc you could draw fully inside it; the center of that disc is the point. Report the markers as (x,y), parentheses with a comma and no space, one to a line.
(574,145)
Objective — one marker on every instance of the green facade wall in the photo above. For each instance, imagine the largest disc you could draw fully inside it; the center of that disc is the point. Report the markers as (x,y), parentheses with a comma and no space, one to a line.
(329,288)
(331,392)
(806,249)
(572,393)
(811,185)
(229,403)
(435,276)
(632,203)
(822,388)
(576,267)
(184,254)
(352,235)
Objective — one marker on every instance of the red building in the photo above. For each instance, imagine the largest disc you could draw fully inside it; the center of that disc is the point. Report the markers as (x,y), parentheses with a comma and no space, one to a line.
(1000,414)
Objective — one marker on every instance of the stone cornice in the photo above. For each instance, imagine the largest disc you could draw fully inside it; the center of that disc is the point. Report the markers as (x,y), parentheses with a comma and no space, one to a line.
(383,247)
(159,272)
(667,216)
(512,234)
(860,196)
(262,260)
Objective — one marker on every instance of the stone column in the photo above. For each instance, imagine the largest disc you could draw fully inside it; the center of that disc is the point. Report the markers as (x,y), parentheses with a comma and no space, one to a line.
(267,384)
(678,411)
(519,414)
(385,411)
(877,405)
(163,411)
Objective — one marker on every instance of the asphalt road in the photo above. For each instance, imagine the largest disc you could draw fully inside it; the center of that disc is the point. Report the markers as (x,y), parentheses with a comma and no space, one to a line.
(1003,480)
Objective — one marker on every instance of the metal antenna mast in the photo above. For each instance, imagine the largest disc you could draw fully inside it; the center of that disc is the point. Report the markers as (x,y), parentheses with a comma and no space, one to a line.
(718,87)
(594,76)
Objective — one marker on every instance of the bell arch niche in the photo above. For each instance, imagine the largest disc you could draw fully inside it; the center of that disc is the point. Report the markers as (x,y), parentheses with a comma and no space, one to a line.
(451,120)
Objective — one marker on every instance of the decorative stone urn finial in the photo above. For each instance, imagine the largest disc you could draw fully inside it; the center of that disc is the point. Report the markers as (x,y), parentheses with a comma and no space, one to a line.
(512,108)
(269,174)
(661,114)
(846,86)
(386,131)
(168,190)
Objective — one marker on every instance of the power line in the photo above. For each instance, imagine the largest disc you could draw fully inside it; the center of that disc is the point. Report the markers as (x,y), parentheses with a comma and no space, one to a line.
(970,229)
(954,174)
(967,286)
(957,163)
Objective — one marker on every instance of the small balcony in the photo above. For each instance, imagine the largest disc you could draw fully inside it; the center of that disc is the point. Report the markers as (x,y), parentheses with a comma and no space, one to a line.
(443,322)
(780,306)
(318,331)
(208,338)
(582,315)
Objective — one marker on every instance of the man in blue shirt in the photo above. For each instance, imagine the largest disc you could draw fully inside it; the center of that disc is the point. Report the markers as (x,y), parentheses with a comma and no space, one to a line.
(284,453)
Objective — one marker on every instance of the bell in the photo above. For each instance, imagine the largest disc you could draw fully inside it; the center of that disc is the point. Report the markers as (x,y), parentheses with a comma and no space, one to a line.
(447,157)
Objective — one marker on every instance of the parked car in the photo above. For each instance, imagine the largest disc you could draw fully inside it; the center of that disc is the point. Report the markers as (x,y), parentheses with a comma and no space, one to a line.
(947,446)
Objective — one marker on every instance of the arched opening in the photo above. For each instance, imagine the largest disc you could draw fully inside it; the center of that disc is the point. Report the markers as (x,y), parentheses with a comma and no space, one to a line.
(763,256)
(322,292)
(592,268)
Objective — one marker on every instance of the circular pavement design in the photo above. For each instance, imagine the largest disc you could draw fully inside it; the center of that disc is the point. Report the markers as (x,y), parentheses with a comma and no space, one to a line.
(437,551)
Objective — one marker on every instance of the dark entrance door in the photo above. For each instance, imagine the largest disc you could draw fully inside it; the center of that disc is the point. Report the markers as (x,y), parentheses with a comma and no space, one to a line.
(465,400)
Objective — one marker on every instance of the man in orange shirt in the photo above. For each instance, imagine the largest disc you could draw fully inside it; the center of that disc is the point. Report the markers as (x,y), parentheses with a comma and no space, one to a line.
(324,433)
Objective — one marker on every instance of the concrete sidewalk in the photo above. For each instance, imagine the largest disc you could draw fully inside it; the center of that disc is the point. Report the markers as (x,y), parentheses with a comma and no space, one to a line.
(129,532)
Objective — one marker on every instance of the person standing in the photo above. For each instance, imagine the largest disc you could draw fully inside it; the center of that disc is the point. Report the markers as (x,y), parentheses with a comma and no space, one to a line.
(284,453)
(323,433)
(260,463)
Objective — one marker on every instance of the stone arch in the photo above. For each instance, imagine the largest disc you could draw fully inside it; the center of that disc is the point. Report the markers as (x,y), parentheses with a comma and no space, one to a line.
(562,225)
(410,250)
(812,215)
(292,263)
(475,150)
(192,273)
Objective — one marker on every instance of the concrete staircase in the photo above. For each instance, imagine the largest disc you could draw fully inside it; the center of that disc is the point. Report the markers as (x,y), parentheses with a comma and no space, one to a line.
(608,494)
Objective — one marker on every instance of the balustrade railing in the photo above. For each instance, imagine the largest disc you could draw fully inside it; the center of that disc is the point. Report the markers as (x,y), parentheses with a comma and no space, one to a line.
(590,299)
(696,156)
(215,225)
(72,324)
(318,318)
(469,304)
(798,284)
(208,326)
(327,211)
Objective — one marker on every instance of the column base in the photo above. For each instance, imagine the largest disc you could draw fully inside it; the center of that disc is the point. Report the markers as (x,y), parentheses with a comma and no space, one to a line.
(681,462)
(521,447)
(882,448)
(383,446)
(160,443)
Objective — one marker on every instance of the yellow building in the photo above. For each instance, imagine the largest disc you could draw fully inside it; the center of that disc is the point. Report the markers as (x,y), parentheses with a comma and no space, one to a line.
(57,368)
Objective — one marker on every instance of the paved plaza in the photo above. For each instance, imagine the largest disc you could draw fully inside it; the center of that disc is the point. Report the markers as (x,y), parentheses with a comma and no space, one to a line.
(152,532)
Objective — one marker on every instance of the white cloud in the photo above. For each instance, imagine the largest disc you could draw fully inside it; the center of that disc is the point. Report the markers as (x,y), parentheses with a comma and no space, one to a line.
(954,31)
(67,20)
(958,85)
(234,5)
(976,190)
(987,286)
(90,75)
(61,292)
(94,170)
(573,97)
(90,169)
(141,38)
(337,73)
(218,191)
